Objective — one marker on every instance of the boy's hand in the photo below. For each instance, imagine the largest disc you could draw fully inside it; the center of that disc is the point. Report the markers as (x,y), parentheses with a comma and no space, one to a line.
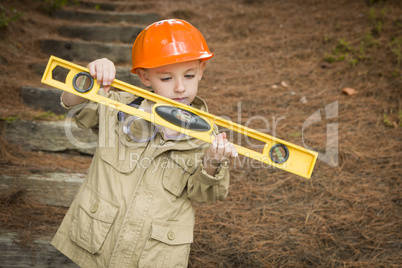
(220,151)
(104,71)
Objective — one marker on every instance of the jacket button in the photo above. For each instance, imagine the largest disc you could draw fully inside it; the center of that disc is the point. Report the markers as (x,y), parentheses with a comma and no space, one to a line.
(190,162)
(171,235)
(94,208)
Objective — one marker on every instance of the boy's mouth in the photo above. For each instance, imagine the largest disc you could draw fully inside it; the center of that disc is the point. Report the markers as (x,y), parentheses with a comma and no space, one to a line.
(180,99)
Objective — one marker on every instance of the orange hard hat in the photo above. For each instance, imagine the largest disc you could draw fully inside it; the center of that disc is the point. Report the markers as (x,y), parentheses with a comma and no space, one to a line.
(166,42)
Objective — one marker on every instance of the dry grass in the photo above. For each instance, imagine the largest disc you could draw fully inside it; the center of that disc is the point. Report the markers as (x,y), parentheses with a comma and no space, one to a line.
(26,217)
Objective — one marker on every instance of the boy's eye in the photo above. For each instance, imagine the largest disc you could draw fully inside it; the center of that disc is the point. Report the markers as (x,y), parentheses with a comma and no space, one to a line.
(165,79)
(189,76)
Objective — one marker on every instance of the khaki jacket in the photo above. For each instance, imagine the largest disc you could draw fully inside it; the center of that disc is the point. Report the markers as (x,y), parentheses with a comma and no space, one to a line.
(134,208)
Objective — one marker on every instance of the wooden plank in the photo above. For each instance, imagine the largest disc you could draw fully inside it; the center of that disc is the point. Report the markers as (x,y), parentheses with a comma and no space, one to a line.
(42,254)
(56,189)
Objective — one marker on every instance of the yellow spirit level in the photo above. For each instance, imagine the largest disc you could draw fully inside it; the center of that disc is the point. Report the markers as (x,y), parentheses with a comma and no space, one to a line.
(183,118)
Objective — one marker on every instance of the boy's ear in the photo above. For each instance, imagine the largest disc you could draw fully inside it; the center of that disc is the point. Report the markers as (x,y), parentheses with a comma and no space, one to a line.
(142,74)
(201,70)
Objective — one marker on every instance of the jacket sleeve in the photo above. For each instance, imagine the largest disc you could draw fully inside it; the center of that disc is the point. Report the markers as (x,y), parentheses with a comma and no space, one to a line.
(89,113)
(202,187)
(85,114)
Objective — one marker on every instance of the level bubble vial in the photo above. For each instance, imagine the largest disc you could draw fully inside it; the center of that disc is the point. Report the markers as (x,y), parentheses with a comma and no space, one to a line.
(83,82)
(279,153)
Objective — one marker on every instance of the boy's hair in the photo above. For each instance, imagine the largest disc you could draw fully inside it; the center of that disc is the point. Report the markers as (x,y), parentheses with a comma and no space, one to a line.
(167,42)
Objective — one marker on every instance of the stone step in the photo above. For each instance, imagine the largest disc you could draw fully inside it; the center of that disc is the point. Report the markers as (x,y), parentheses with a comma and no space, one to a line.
(113,6)
(42,254)
(43,99)
(107,16)
(101,33)
(98,5)
(58,136)
(86,51)
(54,189)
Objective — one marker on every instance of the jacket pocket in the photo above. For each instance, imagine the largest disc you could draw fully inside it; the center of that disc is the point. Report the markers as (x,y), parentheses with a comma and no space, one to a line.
(92,220)
(180,167)
(168,245)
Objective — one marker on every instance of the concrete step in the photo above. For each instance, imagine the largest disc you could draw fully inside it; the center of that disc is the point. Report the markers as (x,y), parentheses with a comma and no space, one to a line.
(86,51)
(101,33)
(107,16)
(42,254)
(54,189)
(58,136)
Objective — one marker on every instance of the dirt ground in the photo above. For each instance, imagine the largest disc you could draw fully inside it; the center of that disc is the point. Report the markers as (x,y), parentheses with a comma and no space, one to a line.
(278,62)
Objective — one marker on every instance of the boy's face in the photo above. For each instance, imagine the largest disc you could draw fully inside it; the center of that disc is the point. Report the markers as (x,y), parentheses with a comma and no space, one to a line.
(178,81)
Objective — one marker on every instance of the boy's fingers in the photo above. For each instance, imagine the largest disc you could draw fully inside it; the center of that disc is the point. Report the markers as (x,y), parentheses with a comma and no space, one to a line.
(220,153)
(215,143)
(225,152)
(108,73)
(234,152)
(104,71)
(222,149)
(112,73)
(221,141)
(99,73)
(228,148)
(91,68)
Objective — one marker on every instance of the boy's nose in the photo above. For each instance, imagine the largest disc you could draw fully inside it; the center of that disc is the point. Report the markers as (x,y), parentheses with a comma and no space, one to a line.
(179,88)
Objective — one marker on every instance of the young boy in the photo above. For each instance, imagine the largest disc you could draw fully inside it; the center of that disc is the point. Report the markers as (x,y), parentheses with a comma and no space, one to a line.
(134,208)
